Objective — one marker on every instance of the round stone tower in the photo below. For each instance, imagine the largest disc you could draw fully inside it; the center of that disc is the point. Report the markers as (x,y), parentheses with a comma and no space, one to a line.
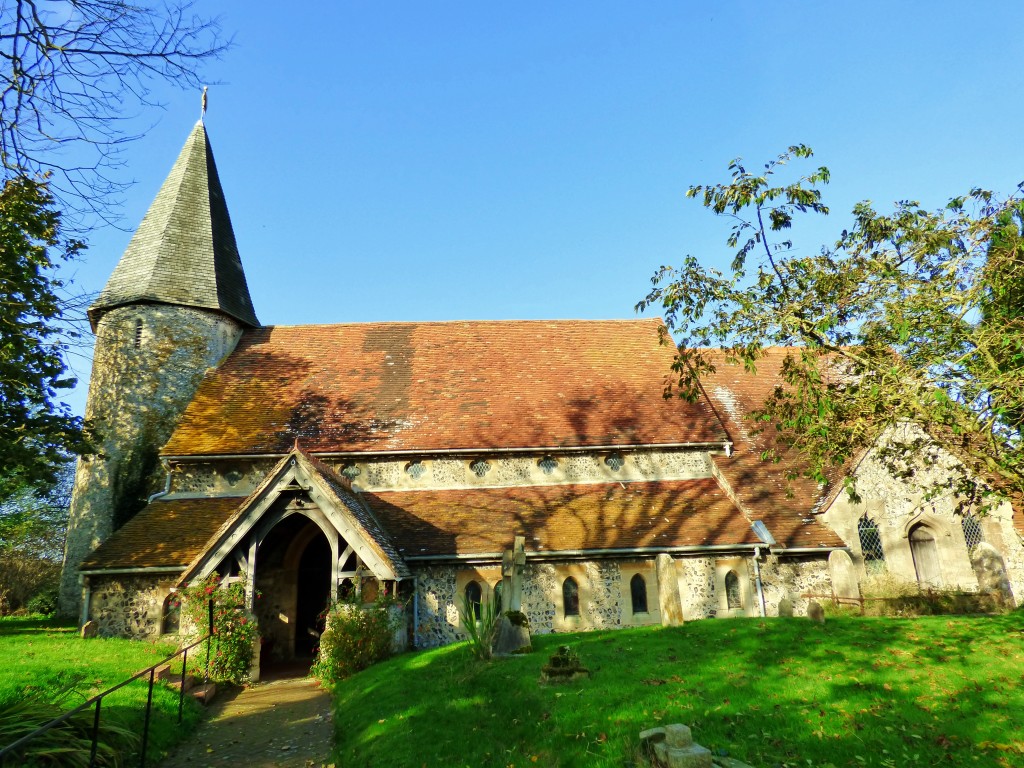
(175,305)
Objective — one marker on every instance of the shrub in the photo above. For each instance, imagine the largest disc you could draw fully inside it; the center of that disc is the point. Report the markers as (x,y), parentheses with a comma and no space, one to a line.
(235,629)
(356,636)
(44,602)
(22,577)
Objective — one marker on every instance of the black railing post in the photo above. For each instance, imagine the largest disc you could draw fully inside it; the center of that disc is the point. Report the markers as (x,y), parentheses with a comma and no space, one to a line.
(181,691)
(145,725)
(95,733)
(209,642)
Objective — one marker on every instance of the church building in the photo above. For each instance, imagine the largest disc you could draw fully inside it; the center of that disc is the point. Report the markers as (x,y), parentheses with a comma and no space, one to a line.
(324,461)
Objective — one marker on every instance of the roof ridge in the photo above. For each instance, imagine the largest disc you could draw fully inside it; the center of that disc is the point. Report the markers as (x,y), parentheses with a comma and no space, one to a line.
(499,321)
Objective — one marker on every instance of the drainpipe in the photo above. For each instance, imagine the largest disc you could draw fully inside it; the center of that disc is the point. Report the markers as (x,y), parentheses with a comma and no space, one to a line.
(167,483)
(415,611)
(757,580)
(86,601)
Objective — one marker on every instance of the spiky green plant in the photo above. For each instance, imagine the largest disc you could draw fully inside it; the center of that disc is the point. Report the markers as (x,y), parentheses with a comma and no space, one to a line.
(480,631)
(68,744)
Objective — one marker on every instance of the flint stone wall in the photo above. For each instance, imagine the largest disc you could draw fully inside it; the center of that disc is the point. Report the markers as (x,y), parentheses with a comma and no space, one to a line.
(239,477)
(897,505)
(128,606)
(792,577)
(697,587)
(604,593)
(136,396)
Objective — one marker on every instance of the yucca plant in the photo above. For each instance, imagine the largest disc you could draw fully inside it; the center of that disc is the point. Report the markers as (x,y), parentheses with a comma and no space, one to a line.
(68,744)
(480,631)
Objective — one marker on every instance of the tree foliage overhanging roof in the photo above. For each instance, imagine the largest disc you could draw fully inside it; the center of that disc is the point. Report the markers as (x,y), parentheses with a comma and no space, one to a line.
(911,316)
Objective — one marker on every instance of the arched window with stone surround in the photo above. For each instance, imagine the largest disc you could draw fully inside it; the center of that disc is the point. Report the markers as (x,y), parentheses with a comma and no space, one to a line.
(570,597)
(170,615)
(473,598)
(638,593)
(871,544)
(733,598)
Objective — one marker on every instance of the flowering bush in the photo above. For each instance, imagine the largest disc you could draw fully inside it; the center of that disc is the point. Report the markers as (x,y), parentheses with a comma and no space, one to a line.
(356,637)
(235,630)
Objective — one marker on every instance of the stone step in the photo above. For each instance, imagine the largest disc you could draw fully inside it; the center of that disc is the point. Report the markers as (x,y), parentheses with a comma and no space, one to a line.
(204,693)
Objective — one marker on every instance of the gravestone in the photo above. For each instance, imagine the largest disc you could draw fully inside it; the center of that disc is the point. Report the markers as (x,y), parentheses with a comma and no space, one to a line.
(563,667)
(991,573)
(815,612)
(669,600)
(672,746)
(786,608)
(90,629)
(512,628)
(511,634)
(844,575)
(513,562)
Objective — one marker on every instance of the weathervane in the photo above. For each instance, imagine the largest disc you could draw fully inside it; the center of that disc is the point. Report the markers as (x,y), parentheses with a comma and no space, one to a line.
(202,116)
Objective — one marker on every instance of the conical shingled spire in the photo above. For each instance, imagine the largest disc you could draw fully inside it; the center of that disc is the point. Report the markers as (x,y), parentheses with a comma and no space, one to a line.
(184,251)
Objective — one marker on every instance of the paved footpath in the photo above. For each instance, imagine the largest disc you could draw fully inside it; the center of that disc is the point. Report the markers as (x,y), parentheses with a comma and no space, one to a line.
(284,723)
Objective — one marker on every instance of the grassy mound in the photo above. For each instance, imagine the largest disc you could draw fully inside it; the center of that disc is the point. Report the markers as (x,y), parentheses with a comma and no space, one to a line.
(853,692)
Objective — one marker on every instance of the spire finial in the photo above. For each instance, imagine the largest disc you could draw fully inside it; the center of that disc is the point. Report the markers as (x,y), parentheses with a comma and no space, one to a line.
(296,446)
(202,116)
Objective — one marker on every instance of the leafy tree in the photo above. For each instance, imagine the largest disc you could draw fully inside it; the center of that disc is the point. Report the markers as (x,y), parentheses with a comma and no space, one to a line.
(33,525)
(36,430)
(910,318)
(70,75)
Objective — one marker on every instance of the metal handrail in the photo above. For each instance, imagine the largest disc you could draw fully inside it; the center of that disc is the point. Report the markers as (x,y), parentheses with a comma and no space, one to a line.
(98,700)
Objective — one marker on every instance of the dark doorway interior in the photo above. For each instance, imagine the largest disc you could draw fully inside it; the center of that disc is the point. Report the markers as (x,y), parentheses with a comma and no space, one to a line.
(314,589)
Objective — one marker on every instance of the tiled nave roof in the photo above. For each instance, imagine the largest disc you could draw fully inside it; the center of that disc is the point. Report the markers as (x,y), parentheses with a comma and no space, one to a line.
(387,387)
(760,485)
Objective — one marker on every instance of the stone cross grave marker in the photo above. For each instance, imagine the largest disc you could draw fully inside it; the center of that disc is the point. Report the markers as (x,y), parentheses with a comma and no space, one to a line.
(513,561)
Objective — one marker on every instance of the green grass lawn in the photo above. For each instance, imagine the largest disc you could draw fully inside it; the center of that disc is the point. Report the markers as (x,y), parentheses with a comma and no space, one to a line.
(40,654)
(778,692)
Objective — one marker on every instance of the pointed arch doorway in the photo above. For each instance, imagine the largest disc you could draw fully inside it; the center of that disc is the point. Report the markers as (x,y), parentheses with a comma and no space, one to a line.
(293,580)
(301,539)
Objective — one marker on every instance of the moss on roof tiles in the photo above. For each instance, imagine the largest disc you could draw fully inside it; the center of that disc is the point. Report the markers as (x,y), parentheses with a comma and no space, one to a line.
(442,386)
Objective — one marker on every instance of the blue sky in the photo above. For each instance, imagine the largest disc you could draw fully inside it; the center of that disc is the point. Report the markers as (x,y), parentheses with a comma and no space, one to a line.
(457,160)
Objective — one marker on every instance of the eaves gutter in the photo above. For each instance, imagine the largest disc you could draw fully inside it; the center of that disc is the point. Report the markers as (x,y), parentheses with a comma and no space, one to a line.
(562,554)
(725,445)
(117,571)
(807,550)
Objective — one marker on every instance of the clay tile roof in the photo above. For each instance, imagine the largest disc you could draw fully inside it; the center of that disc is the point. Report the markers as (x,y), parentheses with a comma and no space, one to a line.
(655,515)
(442,386)
(164,534)
(184,251)
(761,486)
